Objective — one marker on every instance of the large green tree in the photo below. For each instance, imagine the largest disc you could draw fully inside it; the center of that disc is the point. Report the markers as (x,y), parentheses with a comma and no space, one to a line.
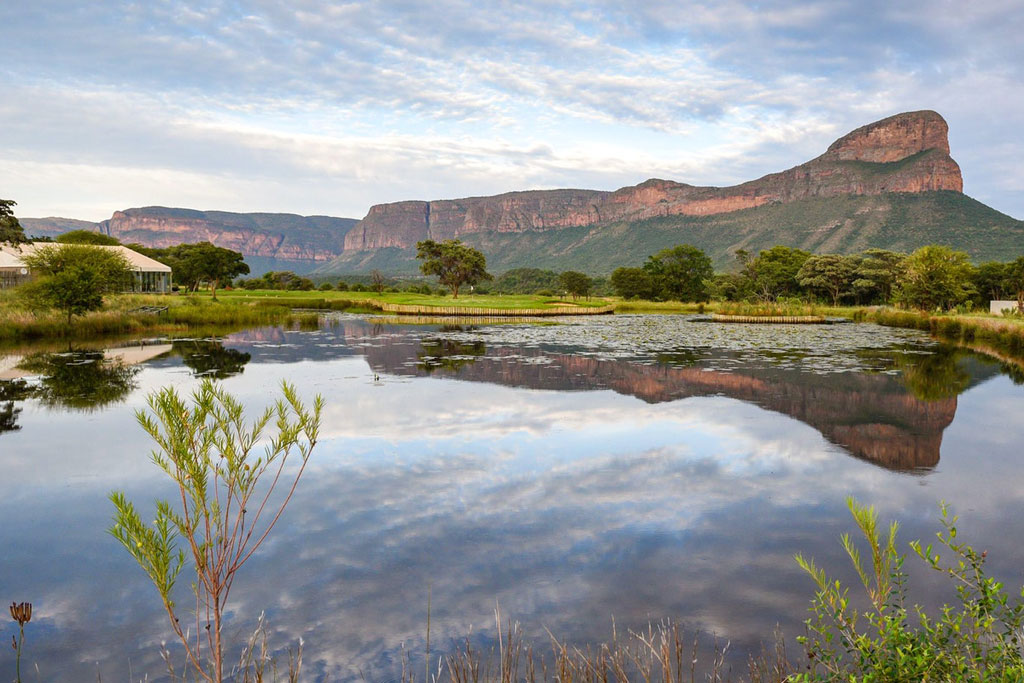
(877,274)
(773,273)
(74,277)
(10,229)
(194,264)
(575,283)
(680,273)
(454,263)
(632,283)
(831,275)
(992,282)
(936,276)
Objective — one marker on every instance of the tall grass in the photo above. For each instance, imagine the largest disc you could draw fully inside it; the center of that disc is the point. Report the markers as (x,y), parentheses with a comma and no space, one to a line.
(1006,336)
(660,653)
(118,317)
(769,309)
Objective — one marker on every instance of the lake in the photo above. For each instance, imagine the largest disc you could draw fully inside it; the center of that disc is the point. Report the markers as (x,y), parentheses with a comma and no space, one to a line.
(626,467)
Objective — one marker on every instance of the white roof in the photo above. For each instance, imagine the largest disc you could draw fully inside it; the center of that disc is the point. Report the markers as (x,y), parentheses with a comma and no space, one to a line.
(10,260)
(137,261)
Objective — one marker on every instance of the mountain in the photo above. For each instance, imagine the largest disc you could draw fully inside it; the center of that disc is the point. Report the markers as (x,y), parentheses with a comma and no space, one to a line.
(53,226)
(269,241)
(889,184)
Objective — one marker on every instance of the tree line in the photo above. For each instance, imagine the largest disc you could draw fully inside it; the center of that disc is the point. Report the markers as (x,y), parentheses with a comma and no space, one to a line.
(932,277)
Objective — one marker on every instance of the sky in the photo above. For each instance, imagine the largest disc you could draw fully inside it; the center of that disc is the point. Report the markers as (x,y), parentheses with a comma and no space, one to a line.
(320,107)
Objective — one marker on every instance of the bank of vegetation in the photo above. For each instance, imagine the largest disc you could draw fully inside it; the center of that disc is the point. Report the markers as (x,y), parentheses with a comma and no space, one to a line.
(126,314)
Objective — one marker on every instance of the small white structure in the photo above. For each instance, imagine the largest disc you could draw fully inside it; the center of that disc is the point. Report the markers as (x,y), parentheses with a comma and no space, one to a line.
(12,271)
(150,275)
(997,307)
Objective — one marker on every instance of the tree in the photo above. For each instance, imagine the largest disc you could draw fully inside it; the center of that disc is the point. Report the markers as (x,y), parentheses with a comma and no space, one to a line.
(936,277)
(377,282)
(575,283)
(773,272)
(10,229)
(74,277)
(194,264)
(991,282)
(87,237)
(454,263)
(224,513)
(680,273)
(1015,280)
(632,283)
(877,274)
(526,281)
(831,274)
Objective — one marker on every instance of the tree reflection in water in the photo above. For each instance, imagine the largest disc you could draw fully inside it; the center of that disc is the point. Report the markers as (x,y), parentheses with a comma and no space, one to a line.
(448,354)
(209,358)
(79,380)
(11,391)
(936,376)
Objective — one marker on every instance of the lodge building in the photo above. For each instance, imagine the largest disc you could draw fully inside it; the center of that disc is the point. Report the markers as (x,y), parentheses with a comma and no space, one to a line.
(149,275)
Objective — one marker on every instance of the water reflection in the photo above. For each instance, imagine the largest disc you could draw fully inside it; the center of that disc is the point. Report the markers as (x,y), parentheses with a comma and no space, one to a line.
(894,420)
(10,391)
(635,469)
(79,380)
(210,358)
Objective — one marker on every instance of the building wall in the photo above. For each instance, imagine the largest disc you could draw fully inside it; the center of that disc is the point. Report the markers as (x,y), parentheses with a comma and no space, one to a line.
(12,277)
(997,307)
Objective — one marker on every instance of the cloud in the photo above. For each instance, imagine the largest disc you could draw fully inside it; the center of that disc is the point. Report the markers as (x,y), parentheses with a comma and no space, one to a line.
(367,102)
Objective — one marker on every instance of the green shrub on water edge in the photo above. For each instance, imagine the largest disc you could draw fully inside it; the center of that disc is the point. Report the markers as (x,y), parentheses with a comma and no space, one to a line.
(979,639)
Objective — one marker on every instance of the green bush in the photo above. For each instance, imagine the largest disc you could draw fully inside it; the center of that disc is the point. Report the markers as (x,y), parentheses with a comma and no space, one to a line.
(978,639)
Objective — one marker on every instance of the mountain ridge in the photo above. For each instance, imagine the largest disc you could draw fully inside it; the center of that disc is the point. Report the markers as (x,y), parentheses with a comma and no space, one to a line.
(891,183)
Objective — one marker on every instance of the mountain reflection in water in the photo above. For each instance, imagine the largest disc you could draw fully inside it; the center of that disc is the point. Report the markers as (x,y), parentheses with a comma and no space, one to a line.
(895,420)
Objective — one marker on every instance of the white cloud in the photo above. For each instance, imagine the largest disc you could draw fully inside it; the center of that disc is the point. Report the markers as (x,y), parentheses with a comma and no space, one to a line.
(317,107)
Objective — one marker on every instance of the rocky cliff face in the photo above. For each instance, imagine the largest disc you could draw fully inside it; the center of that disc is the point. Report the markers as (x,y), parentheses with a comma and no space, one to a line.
(903,153)
(278,236)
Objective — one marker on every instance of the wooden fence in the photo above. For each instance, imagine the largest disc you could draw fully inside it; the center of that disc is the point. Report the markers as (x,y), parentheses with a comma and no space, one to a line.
(404,309)
(776,319)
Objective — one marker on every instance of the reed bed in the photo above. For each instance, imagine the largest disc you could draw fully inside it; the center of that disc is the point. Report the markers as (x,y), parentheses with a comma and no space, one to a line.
(769,310)
(1004,335)
(661,653)
(119,318)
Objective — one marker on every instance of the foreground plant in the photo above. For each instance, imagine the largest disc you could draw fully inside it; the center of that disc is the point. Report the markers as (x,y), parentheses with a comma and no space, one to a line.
(21,612)
(979,639)
(225,513)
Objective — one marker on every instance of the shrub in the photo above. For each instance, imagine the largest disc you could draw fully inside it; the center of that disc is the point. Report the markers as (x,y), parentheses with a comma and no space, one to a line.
(978,639)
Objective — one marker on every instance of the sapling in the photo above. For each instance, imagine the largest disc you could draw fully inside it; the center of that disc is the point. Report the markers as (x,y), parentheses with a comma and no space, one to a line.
(226,507)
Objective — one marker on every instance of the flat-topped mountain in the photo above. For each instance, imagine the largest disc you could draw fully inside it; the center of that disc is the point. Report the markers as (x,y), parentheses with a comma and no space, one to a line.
(889,184)
(903,153)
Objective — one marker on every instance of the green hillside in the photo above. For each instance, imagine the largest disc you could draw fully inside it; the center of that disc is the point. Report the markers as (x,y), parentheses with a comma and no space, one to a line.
(847,224)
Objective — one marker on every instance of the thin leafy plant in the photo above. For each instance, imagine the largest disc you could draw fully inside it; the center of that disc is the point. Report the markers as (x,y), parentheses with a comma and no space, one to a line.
(226,508)
(978,639)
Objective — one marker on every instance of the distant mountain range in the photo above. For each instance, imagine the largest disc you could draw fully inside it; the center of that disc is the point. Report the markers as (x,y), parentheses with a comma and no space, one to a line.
(890,184)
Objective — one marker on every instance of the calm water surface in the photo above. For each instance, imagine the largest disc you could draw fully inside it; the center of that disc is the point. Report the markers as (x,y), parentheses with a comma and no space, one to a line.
(628,467)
